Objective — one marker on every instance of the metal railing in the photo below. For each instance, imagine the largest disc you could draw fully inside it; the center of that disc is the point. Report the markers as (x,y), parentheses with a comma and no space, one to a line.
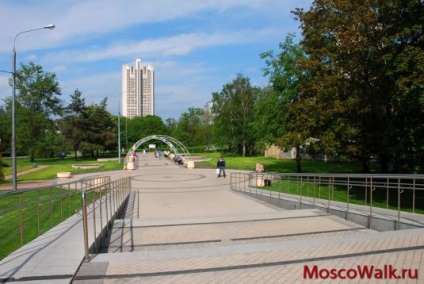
(101,205)
(26,214)
(400,193)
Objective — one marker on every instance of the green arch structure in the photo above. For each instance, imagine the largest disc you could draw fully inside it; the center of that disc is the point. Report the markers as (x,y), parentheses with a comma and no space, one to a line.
(176,146)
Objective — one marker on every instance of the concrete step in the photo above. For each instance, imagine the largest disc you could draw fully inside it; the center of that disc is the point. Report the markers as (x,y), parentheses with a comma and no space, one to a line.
(399,249)
(226,230)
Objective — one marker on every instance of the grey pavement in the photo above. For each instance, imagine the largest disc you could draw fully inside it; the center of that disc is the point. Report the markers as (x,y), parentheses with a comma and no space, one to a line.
(187,226)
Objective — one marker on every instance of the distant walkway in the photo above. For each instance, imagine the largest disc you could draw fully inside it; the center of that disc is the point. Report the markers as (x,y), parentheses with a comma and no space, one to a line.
(187,226)
(30,184)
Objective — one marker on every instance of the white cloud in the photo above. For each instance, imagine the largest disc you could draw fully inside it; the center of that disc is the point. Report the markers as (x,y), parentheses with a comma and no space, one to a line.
(31,57)
(179,50)
(174,45)
(59,69)
(192,44)
(5,89)
(80,20)
(4,81)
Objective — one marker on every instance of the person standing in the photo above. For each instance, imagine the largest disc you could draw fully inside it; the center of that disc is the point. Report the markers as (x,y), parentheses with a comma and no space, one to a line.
(221,167)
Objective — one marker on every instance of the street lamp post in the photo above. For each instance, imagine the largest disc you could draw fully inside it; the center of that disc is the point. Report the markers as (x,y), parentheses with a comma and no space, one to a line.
(126,133)
(126,116)
(119,131)
(14,172)
(119,137)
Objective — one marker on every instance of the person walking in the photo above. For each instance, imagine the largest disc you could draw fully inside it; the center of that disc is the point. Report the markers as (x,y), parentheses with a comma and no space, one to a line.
(221,167)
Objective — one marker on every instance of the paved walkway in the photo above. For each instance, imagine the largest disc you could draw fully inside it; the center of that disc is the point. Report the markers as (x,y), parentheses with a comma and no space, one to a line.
(35,184)
(187,226)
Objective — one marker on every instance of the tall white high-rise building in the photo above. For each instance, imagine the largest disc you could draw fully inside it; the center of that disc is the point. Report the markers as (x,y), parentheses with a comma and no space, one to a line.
(138,90)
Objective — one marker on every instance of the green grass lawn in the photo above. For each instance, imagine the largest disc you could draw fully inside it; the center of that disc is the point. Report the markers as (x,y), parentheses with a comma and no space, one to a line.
(35,212)
(355,195)
(44,208)
(41,210)
(55,165)
(54,202)
(52,167)
(278,165)
(308,189)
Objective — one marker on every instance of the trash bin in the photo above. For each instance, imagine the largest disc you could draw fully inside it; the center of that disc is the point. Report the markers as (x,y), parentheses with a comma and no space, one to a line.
(190,164)
(130,166)
(259,167)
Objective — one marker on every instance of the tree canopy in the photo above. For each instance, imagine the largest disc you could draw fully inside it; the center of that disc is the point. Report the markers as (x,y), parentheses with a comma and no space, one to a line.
(362,78)
(38,98)
(351,88)
(233,108)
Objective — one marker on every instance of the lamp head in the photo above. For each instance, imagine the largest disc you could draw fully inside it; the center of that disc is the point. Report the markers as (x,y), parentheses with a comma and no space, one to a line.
(50,27)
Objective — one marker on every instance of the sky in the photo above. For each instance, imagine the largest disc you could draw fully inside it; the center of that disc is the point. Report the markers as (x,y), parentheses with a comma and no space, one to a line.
(195,46)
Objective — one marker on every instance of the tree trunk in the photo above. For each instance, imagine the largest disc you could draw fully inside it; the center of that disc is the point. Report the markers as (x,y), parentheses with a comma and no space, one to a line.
(76,153)
(298,160)
(1,166)
(365,165)
(31,156)
(396,165)
(384,163)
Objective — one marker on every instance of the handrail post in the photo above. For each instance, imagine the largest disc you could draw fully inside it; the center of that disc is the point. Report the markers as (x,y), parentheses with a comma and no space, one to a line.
(85,225)
(21,220)
(371,190)
(101,215)
(330,189)
(300,193)
(398,209)
(413,197)
(93,205)
(348,198)
(387,193)
(371,211)
(315,186)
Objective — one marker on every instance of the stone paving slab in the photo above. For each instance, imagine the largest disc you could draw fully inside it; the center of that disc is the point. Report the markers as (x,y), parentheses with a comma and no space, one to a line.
(134,237)
(399,249)
(193,206)
(289,273)
(172,195)
(55,255)
(221,218)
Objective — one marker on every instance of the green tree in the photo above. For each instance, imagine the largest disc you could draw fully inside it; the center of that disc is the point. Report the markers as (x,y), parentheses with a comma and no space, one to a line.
(189,128)
(100,133)
(207,122)
(5,130)
(273,124)
(269,123)
(75,122)
(1,163)
(171,125)
(234,110)
(364,84)
(52,143)
(37,100)
(153,125)
(143,126)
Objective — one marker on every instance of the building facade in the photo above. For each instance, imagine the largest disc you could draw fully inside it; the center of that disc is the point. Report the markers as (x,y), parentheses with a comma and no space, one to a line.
(138,90)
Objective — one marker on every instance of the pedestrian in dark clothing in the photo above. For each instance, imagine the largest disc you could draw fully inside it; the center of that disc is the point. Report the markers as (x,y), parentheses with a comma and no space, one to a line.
(221,167)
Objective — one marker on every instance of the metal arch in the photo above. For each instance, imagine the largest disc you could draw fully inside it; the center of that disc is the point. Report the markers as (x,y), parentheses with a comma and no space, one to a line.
(173,144)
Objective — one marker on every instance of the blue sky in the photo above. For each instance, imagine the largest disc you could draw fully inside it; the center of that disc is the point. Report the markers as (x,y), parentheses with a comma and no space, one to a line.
(196,46)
